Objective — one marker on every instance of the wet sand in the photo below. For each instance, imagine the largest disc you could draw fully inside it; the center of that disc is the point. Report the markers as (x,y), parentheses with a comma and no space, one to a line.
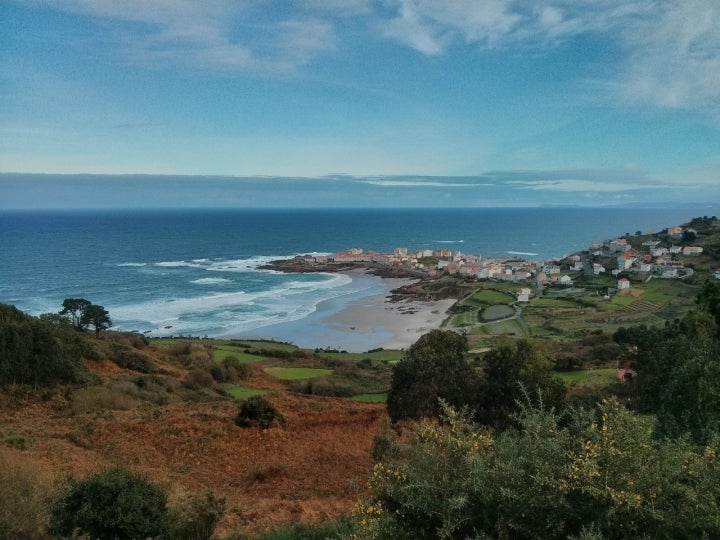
(360,322)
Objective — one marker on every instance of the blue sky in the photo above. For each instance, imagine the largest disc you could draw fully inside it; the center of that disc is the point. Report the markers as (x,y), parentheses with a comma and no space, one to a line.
(359,102)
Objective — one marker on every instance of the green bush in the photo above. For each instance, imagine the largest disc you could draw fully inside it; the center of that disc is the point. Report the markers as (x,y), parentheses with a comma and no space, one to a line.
(195,518)
(235,369)
(111,503)
(135,361)
(39,351)
(582,474)
(257,411)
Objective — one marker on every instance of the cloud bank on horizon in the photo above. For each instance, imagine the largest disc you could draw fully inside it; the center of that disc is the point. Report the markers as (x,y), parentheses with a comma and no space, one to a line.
(584,99)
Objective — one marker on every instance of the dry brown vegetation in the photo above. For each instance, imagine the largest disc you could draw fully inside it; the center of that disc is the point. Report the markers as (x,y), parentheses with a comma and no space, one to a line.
(313,467)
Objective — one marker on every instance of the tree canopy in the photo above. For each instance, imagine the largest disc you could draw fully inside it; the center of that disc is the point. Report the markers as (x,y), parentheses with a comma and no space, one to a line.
(82,313)
(433,367)
(38,351)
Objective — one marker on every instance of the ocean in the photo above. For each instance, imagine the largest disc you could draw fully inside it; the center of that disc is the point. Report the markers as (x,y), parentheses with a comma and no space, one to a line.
(196,272)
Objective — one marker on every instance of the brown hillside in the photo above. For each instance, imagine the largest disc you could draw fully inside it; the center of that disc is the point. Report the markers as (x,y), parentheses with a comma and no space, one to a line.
(313,467)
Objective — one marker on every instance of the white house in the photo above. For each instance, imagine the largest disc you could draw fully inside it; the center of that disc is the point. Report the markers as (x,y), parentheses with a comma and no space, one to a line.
(716,275)
(598,269)
(551,269)
(692,250)
(565,280)
(625,261)
(623,283)
(524,295)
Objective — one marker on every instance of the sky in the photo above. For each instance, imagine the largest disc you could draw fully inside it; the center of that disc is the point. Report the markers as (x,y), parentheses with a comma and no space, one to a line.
(358,102)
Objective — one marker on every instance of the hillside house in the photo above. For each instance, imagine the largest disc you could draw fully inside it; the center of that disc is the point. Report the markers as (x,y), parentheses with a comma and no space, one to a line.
(524,295)
(692,251)
(619,245)
(623,283)
(598,269)
(625,261)
(565,281)
(550,269)
(675,232)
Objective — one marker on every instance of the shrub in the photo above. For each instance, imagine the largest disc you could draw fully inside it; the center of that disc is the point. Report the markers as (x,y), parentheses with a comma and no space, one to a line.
(322,387)
(195,518)
(23,498)
(130,359)
(257,411)
(111,503)
(198,379)
(236,370)
(550,476)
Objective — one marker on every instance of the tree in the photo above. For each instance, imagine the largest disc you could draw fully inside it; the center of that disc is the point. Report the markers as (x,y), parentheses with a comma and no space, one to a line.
(433,367)
(512,372)
(38,351)
(73,309)
(97,317)
(679,378)
(111,503)
(688,237)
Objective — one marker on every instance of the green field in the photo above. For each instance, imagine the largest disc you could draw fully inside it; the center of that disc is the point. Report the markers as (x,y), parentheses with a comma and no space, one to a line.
(296,373)
(386,355)
(242,392)
(222,352)
(505,327)
(497,312)
(466,318)
(489,296)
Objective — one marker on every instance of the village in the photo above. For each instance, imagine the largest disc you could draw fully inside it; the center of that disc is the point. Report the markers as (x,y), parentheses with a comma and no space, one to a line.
(623,260)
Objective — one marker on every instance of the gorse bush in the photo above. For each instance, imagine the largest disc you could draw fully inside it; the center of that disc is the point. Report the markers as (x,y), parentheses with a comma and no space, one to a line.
(195,518)
(257,411)
(582,474)
(111,503)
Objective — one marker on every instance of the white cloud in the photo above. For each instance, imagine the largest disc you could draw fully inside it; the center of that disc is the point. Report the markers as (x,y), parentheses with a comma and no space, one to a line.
(586,185)
(225,35)
(670,49)
(421,183)
(674,61)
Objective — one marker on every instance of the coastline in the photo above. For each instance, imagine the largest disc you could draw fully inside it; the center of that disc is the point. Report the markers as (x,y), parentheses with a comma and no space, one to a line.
(362,321)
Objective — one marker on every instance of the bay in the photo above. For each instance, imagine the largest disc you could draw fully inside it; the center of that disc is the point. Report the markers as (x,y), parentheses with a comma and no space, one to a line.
(195,272)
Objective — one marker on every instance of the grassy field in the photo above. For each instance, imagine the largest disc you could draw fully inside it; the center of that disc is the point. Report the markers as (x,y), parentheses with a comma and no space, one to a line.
(386,355)
(466,318)
(296,373)
(497,312)
(243,392)
(511,327)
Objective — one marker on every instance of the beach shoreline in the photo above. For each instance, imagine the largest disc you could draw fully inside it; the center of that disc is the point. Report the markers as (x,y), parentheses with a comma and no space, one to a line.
(362,321)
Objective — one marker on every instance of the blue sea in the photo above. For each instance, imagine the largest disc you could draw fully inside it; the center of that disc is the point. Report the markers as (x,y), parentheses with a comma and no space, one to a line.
(196,272)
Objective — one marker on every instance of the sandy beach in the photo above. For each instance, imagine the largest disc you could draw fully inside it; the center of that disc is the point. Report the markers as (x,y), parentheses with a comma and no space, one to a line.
(397,324)
(357,323)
